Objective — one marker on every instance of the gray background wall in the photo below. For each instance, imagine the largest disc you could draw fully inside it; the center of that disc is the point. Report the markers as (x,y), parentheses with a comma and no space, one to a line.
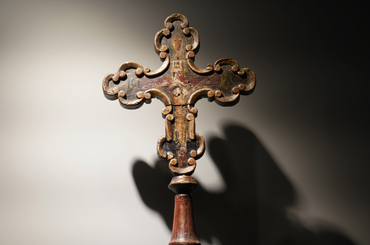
(287,165)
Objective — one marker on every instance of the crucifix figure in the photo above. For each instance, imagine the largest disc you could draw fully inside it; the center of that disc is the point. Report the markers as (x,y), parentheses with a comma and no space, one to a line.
(179,84)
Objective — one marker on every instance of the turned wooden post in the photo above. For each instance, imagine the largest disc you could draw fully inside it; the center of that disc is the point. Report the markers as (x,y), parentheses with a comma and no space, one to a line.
(179,84)
(183,231)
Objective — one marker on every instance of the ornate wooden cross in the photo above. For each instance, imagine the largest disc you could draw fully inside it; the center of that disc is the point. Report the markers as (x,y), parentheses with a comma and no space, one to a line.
(179,84)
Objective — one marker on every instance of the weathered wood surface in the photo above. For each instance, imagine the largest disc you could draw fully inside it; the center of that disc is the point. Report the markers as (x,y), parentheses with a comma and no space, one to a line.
(183,231)
(179,84)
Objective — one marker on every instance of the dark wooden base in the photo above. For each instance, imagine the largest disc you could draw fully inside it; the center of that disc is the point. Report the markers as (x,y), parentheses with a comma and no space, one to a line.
(183,232)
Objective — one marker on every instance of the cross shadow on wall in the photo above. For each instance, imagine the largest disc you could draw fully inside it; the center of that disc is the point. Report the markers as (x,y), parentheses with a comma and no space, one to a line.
(253,207)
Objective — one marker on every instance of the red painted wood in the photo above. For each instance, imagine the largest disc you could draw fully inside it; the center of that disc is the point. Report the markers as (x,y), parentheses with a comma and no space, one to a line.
(183,232)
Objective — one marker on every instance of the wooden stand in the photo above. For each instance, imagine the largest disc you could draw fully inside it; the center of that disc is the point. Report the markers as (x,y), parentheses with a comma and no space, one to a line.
(183,231)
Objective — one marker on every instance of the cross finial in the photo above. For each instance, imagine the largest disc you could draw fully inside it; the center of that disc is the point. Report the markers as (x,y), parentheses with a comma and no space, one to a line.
(179,84)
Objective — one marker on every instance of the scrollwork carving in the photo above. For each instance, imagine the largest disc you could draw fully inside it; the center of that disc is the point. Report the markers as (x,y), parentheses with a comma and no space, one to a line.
(173,17)
(179,84)
(194,33)
(190,61)
(198,94)
(168,127)
(110,91)
(140,96)
(161,69)
(125,66)
(122,97)
(121,73)
(227,61)
(202,145)
(227,99)
(158,40)
(160,149)
(177,170)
